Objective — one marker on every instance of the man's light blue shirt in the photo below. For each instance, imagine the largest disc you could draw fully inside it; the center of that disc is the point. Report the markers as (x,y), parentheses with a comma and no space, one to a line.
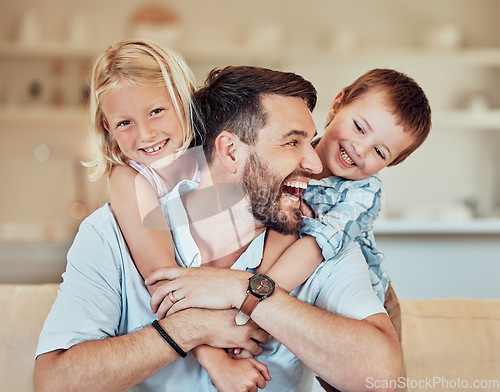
(103,295)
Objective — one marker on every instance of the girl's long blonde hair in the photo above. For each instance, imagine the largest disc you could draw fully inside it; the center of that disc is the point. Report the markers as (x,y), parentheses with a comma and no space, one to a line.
(137,62)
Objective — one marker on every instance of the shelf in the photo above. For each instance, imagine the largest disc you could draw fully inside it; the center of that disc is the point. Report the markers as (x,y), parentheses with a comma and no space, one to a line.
(468,119)
(482,56)
(390,227)
(58,118)
(48,51)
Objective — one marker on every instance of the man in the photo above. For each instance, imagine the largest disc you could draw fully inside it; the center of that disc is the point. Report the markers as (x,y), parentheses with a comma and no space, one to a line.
(98,334)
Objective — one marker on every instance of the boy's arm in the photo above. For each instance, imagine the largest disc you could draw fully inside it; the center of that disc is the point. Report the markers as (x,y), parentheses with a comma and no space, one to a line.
(274,246)
(354,214)
(296,263)
(229,374)
(141,221)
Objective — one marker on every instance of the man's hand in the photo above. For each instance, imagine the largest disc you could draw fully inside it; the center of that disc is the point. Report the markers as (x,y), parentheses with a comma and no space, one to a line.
(203,287)
(218,329)
(239,375)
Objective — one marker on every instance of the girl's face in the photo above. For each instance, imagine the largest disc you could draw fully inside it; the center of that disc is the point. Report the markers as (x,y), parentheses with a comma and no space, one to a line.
(143,121)
(361,138)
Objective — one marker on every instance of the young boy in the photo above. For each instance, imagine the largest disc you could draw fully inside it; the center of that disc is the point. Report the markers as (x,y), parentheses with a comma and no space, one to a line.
(377,121)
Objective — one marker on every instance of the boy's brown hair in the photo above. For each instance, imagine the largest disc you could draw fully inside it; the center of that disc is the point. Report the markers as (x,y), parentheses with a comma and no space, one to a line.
(405,97)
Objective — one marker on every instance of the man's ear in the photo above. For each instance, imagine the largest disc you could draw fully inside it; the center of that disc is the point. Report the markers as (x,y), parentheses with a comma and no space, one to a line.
(335,106)
(227,146)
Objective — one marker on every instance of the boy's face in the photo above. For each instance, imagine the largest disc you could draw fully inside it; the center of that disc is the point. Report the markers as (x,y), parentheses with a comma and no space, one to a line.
(362,137)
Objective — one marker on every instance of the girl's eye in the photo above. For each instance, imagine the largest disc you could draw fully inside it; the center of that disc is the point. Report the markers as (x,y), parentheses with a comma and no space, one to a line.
(379,153)
(123,123)
(156,111)
(358,128)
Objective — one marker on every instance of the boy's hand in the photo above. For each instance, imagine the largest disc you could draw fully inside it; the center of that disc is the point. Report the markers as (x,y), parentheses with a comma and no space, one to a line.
(239,375)
(306,210)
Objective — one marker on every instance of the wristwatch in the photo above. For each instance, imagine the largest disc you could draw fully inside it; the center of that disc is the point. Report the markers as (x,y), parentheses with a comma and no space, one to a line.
(259,287)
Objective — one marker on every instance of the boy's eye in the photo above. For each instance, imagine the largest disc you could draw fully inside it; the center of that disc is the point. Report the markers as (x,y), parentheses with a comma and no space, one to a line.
(379,153)
(358,128)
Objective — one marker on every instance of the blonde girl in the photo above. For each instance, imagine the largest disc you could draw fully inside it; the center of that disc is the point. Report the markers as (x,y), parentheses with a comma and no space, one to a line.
(142,113)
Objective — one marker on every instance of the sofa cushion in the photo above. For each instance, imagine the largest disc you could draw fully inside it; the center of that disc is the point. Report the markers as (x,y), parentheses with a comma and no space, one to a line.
(450,340)
(23,309)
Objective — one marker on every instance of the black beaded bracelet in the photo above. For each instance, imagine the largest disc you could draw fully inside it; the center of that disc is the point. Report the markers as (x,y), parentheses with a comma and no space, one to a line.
(169,340)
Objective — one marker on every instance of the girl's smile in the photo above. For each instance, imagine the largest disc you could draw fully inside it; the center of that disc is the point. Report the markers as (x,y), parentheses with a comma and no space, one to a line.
(143,122)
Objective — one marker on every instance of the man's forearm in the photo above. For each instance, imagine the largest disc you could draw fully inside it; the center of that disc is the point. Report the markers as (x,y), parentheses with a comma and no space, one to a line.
(112,364)
(119,363)
(340,350)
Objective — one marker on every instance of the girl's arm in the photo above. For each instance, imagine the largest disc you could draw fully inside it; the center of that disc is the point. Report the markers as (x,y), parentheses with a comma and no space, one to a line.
(150,243)
(228,374)
(141,221)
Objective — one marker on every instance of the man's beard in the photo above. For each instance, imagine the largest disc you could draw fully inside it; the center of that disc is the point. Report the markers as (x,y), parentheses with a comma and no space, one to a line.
(264,190)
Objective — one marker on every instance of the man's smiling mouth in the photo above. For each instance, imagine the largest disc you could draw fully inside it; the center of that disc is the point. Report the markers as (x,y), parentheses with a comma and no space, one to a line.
(294,189)
(347,159)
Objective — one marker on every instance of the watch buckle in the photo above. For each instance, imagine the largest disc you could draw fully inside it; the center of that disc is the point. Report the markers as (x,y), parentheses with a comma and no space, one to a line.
(241,318)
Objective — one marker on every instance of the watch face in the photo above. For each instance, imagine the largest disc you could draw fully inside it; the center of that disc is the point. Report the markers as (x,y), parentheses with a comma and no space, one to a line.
(261,285)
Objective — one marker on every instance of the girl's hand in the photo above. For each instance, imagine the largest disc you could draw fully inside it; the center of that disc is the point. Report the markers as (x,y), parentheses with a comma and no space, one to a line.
(235,375)
(201,287)
(239,353)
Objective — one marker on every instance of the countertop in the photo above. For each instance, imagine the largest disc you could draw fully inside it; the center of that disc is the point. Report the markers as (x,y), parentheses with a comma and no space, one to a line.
(480,226)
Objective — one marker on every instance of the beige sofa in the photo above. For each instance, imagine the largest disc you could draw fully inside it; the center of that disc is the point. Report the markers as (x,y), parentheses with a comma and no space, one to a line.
(447,343)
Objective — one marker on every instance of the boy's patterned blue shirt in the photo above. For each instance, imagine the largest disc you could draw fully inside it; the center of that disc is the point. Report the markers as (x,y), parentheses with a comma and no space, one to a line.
(344,211)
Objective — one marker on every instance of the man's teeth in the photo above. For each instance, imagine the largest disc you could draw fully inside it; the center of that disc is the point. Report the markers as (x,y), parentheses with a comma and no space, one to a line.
(155,148)
(296,184)
(346,157)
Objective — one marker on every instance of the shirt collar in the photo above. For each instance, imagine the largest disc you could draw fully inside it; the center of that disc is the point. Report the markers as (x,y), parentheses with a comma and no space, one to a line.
(187,252)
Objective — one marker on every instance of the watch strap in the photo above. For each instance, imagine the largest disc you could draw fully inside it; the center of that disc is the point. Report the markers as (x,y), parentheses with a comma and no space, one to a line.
(247,307)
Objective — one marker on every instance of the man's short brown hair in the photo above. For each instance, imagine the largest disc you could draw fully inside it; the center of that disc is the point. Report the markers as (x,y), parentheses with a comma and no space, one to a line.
(231,100)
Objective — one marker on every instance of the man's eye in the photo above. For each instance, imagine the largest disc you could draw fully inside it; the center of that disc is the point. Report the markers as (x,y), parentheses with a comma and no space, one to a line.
(292,143)
(358,128)
(380,153)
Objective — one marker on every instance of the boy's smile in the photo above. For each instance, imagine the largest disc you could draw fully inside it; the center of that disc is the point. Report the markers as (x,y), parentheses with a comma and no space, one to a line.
(361,138)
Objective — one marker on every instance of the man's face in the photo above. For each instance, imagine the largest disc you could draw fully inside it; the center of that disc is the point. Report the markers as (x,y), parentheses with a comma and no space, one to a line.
(281,163)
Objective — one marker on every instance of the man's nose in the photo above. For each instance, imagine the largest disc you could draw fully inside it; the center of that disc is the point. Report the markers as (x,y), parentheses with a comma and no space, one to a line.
(311,161)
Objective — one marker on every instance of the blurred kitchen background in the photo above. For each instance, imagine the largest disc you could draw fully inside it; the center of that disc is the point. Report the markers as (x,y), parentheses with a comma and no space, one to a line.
(440,227)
